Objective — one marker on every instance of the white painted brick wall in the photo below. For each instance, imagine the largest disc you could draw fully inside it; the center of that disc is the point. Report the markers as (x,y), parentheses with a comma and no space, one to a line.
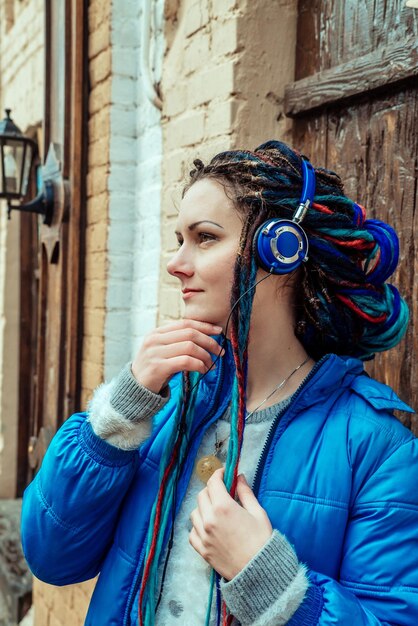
(134,188)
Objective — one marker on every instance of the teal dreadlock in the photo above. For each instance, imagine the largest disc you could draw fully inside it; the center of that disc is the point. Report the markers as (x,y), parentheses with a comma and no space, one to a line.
(343,305)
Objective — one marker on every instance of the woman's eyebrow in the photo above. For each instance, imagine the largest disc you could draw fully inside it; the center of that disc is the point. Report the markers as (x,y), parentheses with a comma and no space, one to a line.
(195,224)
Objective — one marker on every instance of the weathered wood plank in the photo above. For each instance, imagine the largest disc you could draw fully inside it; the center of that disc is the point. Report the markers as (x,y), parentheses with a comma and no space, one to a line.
(381,68)
(374,146)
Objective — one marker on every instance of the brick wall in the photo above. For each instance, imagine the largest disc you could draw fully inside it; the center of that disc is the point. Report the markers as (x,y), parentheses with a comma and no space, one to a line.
(134,187)
(97,196)
(124,192)
(223,83)
(198,109)
(222,79)
(21,89)
(64,606)
(67,606)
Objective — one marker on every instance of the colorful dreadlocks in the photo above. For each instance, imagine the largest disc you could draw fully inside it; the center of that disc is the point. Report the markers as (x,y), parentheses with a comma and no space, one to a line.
(343,306)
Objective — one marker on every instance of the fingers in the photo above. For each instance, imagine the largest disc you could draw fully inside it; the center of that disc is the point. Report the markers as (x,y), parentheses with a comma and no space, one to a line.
(196,542)
(184,345)
(204,327)
(204,504)
(190,342)
(246,496)
(217,492)
(196,520)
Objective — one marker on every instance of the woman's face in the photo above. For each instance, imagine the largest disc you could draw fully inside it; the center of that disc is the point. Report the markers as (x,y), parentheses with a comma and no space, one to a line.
(208,231)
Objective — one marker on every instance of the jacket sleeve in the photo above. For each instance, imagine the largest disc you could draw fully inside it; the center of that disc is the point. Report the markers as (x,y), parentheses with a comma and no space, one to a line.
(378,582)
(70,509)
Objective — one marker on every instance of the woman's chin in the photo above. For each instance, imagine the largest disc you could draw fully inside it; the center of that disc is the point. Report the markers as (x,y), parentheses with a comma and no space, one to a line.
(199,316)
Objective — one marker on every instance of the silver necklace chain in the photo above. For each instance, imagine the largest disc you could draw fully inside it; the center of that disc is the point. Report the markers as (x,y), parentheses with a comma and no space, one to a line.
(219,444)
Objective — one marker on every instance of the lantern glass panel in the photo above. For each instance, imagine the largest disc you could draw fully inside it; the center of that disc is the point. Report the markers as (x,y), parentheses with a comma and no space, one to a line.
(2,190)
(26,168)
(13,160)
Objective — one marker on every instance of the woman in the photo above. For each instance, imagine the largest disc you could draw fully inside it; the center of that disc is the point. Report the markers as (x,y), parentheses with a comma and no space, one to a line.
(151,488)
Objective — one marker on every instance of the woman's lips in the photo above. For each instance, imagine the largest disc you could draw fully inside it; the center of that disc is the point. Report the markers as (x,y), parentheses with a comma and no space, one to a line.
(188,293)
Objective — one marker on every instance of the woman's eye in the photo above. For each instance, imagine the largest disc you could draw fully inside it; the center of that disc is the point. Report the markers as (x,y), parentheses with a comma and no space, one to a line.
(179,242)
(206,237)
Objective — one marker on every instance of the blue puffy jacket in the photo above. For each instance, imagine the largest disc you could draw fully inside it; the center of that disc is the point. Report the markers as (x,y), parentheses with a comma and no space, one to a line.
(338,476)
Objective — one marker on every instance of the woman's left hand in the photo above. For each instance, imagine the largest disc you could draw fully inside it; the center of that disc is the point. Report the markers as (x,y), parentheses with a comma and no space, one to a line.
(225,533)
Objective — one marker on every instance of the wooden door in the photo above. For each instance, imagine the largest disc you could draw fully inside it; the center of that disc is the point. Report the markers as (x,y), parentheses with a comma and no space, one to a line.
(52,375)
(355,103)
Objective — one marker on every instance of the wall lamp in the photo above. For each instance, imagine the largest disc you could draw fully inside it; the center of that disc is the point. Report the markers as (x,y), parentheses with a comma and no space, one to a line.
(17,156)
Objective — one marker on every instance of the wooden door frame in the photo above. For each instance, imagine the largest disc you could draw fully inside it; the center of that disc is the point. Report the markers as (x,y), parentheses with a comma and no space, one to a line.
(75,172)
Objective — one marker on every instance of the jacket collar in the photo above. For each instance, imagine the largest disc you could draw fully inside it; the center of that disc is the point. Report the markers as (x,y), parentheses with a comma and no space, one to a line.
(330,374)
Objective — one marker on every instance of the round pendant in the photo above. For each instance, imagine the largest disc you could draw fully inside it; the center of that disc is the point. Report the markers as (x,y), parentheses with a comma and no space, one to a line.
(206,466)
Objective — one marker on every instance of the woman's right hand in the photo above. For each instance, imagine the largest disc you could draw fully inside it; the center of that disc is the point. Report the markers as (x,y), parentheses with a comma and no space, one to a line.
(175,347)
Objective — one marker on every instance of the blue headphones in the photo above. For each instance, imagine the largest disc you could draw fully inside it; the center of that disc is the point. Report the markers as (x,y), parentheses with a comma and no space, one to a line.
(279,245)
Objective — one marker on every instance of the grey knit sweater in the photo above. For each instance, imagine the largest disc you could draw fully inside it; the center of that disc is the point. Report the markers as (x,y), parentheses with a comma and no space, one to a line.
(273,584)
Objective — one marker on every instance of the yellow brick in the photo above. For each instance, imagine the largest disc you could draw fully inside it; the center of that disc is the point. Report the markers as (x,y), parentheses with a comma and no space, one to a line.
(171,199)
(220,118)
(96,237)
(213,146)
(97,208)
(92,376)
(174,100)
(93,348)
(88,586)
(186,130)
(98,152)
(168,238)
(47,592)
(42,612)
(196,53)
(196,16)
(81,602)
(222,7)
(93,322)
(73,618)
(86,396)
(171,206)
(54,620)
(99,40)
(96,266)
(97,179)
(174,165)
(98,13)
(100,67)
(225,38)
(216,82)
(65,596)
(169,304)
(99,124)
(95,294)
(99,97)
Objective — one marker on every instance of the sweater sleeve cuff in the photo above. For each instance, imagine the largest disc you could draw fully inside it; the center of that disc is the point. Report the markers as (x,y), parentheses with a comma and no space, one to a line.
(121,411)
(270,588)
(135,402)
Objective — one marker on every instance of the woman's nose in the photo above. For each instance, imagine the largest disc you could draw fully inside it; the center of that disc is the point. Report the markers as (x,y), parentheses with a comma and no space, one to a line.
(179,265)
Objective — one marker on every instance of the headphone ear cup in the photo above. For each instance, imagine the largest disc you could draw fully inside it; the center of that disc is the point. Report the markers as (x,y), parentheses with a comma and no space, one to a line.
(280,246)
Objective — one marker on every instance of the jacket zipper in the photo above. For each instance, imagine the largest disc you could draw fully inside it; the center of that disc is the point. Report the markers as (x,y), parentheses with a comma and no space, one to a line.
(262,460)
(134,589)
